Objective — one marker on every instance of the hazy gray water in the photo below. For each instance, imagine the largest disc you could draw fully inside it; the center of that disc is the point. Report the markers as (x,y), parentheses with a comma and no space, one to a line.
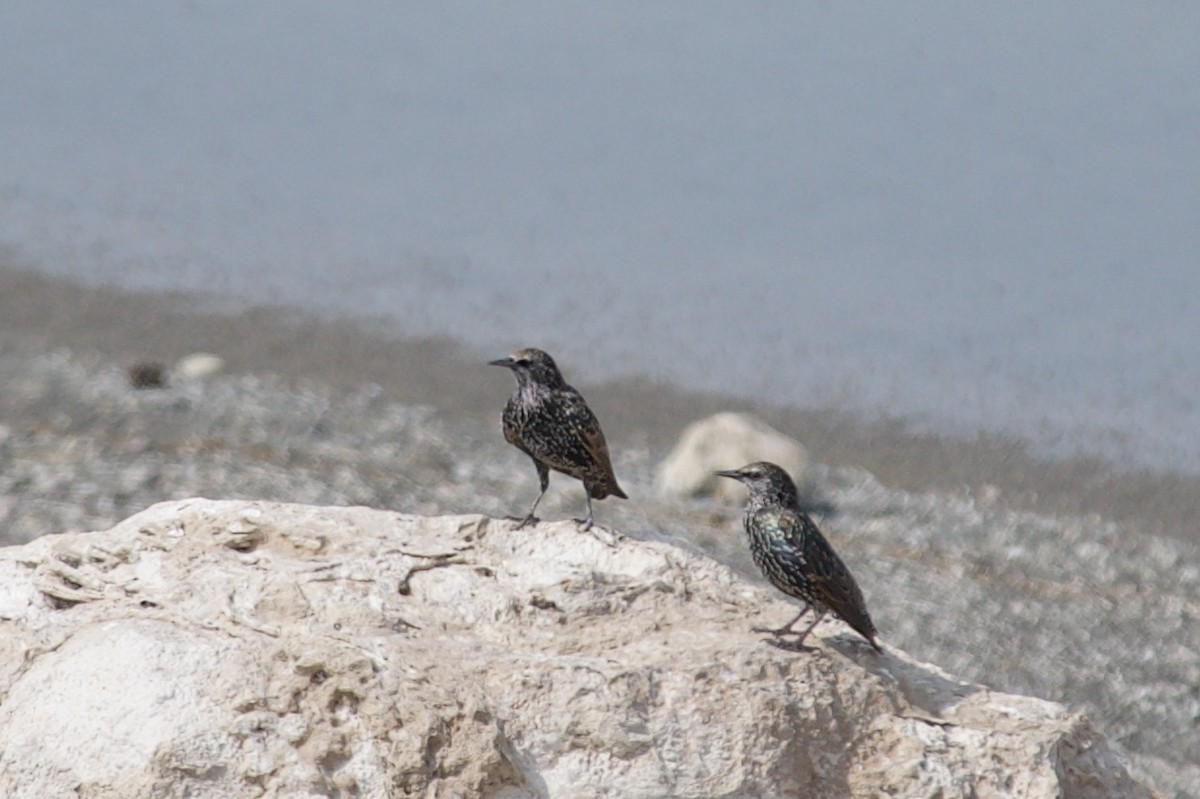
(986,218)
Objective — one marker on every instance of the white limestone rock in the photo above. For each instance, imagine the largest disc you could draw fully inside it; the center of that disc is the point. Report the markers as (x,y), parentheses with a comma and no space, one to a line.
(198,366)
(729,441)
(243,649)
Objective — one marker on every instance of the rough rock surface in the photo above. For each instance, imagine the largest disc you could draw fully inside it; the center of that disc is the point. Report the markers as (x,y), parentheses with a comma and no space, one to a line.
(1077,609)
(206,648)
(727,441)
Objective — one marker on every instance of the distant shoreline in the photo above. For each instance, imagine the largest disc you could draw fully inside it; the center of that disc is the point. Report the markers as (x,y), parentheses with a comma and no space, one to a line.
(43,312)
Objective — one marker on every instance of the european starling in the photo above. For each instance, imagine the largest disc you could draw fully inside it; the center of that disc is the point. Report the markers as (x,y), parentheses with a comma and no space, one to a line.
(795,557)
(550,422)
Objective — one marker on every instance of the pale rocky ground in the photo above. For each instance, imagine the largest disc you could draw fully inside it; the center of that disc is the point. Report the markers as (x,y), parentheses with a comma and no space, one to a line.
(231,648)
(1069,609)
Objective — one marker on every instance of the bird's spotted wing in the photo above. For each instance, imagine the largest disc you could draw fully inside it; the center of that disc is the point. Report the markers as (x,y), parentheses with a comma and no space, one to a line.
(832,583)
(567,436)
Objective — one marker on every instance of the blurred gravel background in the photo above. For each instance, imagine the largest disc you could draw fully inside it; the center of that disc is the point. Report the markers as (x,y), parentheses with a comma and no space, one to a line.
(1069,608)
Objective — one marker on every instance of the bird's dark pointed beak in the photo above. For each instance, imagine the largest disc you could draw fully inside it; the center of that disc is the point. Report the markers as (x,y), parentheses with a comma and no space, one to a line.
(736,475)
(507,363)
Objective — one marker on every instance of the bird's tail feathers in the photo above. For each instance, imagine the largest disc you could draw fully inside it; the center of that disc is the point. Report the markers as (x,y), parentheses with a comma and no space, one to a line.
(609,489)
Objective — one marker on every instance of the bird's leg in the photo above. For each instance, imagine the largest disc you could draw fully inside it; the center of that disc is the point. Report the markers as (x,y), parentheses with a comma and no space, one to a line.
(798,644)
(544,479)
(607,537)
(779,632)
(529,517)
(800,641)
(587,523)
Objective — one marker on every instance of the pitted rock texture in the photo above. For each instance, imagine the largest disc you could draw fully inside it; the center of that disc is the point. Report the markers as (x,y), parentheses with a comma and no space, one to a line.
(206,648)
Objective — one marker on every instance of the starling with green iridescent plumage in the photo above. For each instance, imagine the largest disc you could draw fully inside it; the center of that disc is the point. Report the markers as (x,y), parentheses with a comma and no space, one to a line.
(795,557)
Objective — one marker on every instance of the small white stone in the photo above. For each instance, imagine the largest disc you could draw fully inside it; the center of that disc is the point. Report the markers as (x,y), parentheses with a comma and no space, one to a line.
(198,366)
(729,441)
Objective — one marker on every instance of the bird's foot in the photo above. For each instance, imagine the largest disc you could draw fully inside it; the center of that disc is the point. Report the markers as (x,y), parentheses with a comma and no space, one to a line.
(605,536)
(790,646)
(523,523)
(786,638)
(584,524)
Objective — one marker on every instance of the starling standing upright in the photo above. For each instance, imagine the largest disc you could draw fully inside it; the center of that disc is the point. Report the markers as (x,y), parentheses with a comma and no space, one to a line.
(795,557)
(550,422)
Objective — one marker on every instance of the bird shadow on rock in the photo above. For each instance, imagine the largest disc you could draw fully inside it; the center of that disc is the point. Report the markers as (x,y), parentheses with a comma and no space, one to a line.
(921,685)
(785,645)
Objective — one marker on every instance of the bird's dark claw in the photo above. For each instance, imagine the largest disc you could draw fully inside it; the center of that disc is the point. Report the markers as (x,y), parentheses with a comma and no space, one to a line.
(790,646)
(780,638)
